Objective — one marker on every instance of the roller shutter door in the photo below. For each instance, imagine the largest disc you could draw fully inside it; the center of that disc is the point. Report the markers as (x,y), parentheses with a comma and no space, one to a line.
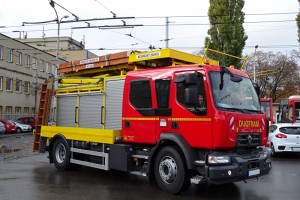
(90,110)
(114,98)
(66,106)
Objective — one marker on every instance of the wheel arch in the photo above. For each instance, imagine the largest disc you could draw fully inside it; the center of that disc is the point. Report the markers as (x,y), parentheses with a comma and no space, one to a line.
(52,141)
(176,140)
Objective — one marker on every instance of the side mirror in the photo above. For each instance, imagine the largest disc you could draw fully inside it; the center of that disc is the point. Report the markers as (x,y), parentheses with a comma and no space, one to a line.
(191,96)
(257,89)
(191,78)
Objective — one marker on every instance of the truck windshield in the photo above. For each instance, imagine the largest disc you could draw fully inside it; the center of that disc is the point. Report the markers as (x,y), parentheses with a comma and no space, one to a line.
(236,96)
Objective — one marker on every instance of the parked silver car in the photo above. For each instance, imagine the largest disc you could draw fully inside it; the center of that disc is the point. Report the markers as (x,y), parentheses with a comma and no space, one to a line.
(22,127)
(2,128)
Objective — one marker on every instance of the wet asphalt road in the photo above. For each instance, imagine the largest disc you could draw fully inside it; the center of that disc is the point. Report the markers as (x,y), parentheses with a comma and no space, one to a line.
(33,178)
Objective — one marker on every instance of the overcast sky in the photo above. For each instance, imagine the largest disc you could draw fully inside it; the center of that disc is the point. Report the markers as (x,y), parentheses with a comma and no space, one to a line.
(260,28)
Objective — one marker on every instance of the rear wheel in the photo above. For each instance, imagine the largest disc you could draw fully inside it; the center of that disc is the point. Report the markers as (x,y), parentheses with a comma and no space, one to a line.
(61,154)
(170,172)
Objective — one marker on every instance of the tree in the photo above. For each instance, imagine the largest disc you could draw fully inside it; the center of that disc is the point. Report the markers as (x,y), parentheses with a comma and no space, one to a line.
(277,74)
(226,33)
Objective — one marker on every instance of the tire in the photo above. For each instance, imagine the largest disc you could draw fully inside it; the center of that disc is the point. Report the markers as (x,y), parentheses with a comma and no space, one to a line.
(273,152)
(19,130)
(61,154)
(170,172)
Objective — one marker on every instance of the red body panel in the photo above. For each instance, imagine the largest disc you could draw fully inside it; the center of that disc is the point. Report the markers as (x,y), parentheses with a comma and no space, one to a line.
(215,130)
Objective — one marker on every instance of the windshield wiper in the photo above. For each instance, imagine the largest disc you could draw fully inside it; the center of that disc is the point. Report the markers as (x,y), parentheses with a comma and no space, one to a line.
(232,109)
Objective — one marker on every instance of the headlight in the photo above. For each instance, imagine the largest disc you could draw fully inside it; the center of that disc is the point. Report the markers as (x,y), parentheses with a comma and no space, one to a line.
(219,159)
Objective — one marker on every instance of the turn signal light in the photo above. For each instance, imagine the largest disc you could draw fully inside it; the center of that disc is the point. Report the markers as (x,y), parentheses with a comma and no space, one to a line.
(280,135)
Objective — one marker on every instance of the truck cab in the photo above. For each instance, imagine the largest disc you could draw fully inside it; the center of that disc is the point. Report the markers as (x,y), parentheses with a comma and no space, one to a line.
(211,113)
(289,109)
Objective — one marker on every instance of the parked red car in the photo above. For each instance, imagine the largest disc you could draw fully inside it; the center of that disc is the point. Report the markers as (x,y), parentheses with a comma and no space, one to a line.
(28,120)
(10,127)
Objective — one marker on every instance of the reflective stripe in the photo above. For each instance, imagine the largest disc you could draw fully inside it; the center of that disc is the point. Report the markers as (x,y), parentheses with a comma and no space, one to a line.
(169,119)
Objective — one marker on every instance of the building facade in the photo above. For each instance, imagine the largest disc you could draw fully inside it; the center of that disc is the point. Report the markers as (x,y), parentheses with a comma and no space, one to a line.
(23,68)
(69,49)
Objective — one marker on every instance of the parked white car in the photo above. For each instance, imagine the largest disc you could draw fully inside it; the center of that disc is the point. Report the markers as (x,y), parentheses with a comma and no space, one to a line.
(284,137)
(22,127)
(2,128)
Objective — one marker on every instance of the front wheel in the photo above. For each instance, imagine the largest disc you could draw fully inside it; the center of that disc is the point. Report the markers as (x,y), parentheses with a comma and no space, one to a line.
(170,172)
(61,154)
(19,130)
(273,152)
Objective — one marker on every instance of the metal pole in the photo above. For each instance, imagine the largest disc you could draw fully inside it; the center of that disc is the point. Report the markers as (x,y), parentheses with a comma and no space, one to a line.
(254,70)
(35,92)
(57,56)
(167,32)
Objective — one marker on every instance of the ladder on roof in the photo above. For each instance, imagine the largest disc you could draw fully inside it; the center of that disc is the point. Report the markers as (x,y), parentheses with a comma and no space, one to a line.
(43,115)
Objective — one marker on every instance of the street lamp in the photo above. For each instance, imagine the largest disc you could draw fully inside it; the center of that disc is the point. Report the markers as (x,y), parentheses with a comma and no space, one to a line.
(254,71)
(52,3)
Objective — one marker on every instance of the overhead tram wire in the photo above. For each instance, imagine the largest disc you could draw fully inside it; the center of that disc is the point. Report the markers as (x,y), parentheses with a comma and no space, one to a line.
(76,17)
(114,14)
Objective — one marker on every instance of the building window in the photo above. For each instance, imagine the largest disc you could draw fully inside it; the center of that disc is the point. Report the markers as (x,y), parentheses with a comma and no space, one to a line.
(26,87)
(26,110)
(9,83)
(53,69)
(33,110)
(9,55)
(18,112)
(18,86)
(8,112)
(34,63)
(47,67)
(1,52)
(1,82)
(27,60)
(41,65)
(19,58)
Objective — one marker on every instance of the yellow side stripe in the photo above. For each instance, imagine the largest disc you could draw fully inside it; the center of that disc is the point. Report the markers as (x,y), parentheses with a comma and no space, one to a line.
(169,119)
(191,119)
(141,118)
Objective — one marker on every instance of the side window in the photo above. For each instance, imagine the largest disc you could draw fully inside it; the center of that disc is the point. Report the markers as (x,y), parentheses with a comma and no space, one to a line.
(162,88)
(273,128)
(140,94)
(182,87)
(290,114)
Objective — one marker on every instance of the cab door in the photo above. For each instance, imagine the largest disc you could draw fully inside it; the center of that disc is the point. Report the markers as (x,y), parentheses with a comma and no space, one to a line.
(138,121)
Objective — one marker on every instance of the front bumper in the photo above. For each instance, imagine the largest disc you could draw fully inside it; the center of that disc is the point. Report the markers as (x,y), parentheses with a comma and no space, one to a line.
(241,168)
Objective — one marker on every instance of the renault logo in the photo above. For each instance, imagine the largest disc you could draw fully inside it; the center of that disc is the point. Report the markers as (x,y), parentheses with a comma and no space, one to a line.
(250,139)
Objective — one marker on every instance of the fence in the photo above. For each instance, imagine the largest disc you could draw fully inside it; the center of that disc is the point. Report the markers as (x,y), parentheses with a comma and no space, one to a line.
(14,116)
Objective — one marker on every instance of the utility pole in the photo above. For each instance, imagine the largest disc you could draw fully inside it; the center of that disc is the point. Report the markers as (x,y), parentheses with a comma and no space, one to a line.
(167,32)
(35,92)
(254,70)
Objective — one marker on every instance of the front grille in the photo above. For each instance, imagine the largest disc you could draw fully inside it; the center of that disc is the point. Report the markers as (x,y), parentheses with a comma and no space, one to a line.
(248,140)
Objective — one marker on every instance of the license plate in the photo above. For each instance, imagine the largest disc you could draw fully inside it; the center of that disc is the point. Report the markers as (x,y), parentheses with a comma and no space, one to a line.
(254,172)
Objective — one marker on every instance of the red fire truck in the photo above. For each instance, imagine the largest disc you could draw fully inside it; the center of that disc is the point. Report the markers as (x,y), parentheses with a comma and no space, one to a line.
(178,125)
(267,108)
(289,109)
